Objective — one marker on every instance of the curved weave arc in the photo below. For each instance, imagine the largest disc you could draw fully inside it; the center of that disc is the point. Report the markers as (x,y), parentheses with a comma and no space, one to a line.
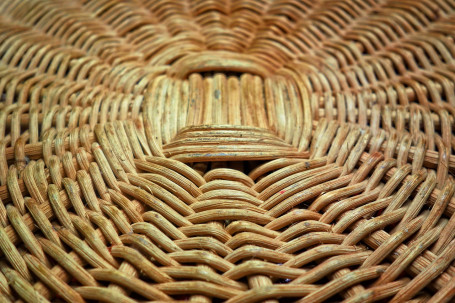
(227,151)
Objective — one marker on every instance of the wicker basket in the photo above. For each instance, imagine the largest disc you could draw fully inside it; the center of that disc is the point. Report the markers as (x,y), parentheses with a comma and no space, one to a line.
(238,151)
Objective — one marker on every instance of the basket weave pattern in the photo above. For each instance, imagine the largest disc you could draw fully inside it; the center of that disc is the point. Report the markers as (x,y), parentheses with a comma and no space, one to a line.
(238,151)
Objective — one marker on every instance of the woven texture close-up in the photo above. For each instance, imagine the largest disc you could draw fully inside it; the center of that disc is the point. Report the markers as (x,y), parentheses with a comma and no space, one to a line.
(227,151)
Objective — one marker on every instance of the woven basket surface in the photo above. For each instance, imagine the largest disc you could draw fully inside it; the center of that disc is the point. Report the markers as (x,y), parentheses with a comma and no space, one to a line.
(227,151)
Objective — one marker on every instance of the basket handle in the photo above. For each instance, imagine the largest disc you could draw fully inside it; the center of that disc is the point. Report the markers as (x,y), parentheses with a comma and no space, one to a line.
(209,61)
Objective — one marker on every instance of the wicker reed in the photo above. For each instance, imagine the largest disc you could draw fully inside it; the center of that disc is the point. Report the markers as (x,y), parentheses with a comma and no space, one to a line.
(238,151)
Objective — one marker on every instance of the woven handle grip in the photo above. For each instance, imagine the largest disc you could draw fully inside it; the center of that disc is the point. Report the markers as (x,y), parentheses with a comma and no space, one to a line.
(219,61)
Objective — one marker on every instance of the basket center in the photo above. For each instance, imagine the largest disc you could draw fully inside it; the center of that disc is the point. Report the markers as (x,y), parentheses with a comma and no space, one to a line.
(207,143)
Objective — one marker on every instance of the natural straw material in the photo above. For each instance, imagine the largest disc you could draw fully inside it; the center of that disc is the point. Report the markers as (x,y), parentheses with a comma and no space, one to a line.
(238,151)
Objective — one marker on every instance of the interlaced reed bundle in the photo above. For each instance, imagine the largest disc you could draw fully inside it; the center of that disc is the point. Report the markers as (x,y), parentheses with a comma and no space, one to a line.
(238,151)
